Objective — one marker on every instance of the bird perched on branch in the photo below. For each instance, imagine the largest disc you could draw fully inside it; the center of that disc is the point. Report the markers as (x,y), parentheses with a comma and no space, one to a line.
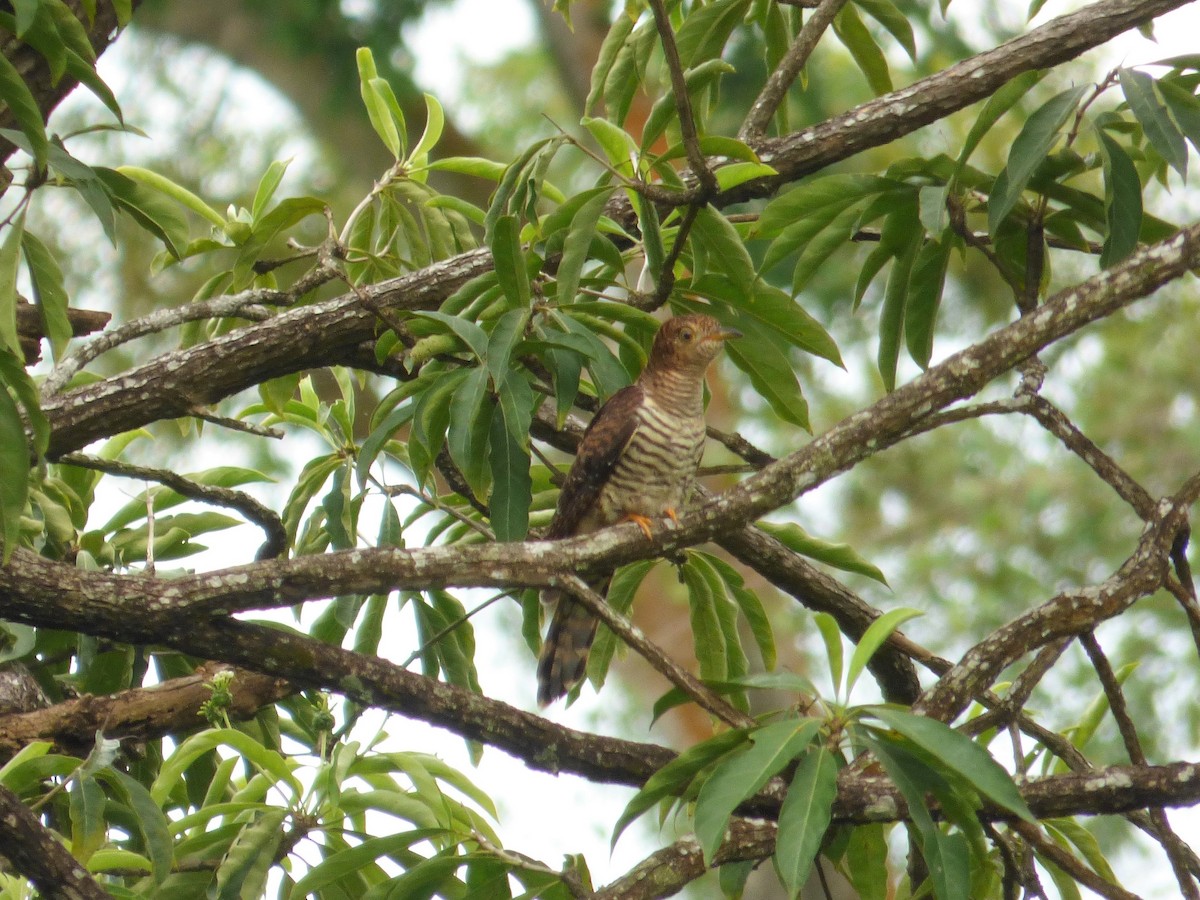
(635,463)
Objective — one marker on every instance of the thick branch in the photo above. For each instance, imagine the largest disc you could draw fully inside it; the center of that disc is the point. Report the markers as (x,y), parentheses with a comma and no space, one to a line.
(1070,613)
(173,384)
(283,582)
(541,744)
(139,714)
(40,856)
(903,111)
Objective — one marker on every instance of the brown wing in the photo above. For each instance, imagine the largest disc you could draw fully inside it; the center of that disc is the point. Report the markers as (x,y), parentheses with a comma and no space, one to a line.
(603,443)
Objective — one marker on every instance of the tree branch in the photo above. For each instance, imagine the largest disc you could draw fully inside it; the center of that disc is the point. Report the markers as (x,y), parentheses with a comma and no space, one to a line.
(174,383)
(40,856)
(139,714)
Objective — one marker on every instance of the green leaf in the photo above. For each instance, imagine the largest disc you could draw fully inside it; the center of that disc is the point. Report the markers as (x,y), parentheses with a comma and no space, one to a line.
(150,821)
(704,32)
(618,146)
(890,17)
(48,291)
(88,827)
(945,855)
(840,556)
(1122,202)
(720,239)
(607,372)
(382,108)
(652,242)
(853,34)
(1084,841)
(771,374)
(825,196)
(85,72)
(512,486)
(435,122)
(14,462)
(866,862)
(621,591)
(804,817)
(891,317)
(476,166)
(431,418)
(873,638)
(10,257)
(578,240)
(960,754)
(742,775)
(1161,132)
(1184,106)
(508,331)
(510,261)
(1029,150)
(673,778)
(470,421)
(831,237)
(697,81)
(270,763)
(995,107)
(154,211)
(267,186)
(707,635)
(925,287)
(609,49)
(471,334)
(243,872)
(734,662)
(735,174)
(343,863)
(186,198)
(26,11)
(19,99)
(831,636)
(752,609)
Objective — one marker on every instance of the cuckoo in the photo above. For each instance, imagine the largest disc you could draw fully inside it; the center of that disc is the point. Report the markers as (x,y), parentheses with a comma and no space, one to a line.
(635,463)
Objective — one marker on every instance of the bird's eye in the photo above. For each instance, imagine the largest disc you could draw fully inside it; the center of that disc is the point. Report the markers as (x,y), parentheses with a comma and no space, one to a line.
(686,334)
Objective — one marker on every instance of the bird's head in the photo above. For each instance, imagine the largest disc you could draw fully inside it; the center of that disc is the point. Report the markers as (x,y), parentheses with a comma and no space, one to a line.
(689,342)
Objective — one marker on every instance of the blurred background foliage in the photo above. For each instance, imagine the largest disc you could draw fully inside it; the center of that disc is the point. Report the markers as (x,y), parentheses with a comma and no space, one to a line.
(975,522)
(972,523)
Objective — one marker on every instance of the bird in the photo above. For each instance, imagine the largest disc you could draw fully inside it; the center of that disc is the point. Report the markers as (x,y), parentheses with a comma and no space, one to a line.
(635,463)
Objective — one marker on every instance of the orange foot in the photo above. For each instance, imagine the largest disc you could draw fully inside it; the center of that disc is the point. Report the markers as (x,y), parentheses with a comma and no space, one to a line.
(641,522)
(669,512)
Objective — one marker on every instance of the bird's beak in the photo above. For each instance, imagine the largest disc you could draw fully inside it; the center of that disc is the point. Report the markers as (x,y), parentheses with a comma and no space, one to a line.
(727,334)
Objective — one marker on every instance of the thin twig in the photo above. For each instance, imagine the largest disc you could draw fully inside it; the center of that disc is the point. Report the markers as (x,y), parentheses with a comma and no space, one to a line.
(1055,421)
(789,68)
(236,424)
(461,620)
(253,304)
(517,860)
(683,103)
(1166,837)
(260,515)
(1068,862)
(658,659)
(434,502)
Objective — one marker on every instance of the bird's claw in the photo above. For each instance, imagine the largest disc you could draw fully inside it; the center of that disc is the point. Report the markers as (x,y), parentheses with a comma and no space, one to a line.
(641,522)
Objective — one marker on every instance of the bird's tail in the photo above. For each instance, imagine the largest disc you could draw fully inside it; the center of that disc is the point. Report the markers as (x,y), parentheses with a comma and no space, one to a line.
(563,663)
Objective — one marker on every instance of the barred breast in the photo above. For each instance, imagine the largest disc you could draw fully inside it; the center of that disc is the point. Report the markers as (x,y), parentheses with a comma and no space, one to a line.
(655,472)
